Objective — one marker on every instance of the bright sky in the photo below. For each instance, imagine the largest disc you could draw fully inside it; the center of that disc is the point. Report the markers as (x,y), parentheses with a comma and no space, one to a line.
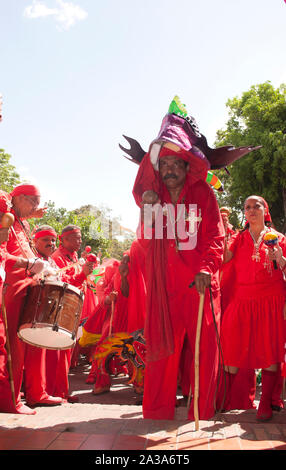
(77,74)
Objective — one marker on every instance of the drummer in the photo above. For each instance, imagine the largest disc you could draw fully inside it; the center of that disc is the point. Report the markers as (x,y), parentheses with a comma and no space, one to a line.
(66,258)
(45,238)
(35,358)
(23,202)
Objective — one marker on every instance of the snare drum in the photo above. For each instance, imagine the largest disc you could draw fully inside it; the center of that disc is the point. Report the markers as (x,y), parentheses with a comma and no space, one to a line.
(50,315)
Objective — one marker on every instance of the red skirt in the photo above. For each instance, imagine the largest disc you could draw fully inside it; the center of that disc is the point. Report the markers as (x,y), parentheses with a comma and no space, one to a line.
(253,329)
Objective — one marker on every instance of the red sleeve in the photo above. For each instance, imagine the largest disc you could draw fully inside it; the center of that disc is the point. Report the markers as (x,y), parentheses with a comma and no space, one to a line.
(10,261)
(282,242)
(211,237)
(76,280)
(69,275)
(233,242)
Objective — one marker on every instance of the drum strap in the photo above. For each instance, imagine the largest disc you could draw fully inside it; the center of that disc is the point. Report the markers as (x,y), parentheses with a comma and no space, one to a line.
(30,241)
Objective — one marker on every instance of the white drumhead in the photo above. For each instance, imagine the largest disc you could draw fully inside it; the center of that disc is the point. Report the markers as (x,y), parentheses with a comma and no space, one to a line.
(42,335)
(61,284)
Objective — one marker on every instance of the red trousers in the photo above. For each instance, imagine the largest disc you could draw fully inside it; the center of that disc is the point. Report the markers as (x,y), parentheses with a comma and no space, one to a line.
(57,370)
(160,380)
(24,357)
(6,403)
(35,374)
(17,346)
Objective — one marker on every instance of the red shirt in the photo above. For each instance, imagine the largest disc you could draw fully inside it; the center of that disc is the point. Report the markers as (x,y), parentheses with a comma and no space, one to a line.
(74,275)
(18,245)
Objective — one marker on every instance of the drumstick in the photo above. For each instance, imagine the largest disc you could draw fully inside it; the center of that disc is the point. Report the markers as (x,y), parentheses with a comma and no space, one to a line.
(8,348)
(69,266)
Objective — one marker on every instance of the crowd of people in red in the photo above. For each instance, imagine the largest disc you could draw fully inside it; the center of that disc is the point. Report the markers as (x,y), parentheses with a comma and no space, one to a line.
(233,277)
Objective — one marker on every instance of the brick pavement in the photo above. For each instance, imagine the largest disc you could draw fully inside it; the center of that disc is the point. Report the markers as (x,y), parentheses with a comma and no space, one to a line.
(113,421)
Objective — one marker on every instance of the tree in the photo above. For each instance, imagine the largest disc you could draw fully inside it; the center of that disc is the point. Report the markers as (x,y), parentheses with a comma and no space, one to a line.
(60,218)
(258,117)
(98,229)
(9,177)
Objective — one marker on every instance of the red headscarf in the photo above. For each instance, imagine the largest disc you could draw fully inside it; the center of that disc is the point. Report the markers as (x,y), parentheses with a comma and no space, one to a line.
(148,177)
(45,233)
(267,216)
(26,189)
(68,232)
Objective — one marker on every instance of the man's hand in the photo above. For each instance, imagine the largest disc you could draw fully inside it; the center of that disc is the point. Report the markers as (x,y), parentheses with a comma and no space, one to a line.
(38,213)
(88,268)
(202,280)
(112,297)
(4,235)
(123,267)
(36,265)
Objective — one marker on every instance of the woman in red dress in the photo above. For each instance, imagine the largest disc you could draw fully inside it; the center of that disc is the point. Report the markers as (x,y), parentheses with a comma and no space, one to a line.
(253,326)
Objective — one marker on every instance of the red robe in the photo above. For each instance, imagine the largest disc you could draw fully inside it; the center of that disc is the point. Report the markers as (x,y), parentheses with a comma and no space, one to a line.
(137,288)
(17,282)
(169,273)
(106,321)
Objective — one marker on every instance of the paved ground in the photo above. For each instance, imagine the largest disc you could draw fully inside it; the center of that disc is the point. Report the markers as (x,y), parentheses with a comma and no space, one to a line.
(113,422)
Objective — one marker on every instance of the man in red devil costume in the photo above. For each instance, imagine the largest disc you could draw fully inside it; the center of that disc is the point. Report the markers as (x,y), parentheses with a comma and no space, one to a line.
(183,239)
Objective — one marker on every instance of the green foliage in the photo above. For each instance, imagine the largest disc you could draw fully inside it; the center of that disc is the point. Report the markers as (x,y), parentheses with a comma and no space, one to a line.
(92,222)
(9,177)
(60,218)
(117,248)
(258,117)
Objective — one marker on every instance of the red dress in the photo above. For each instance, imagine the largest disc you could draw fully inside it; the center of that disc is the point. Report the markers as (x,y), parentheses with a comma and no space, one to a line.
(253,327)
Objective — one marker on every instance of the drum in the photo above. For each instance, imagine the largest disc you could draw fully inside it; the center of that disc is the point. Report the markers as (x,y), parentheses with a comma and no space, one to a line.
(50,315)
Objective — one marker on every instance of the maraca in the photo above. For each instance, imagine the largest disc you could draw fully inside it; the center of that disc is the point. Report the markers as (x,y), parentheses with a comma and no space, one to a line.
(150,197)
(270,239)
(7,220)
(84,254)
(91,258)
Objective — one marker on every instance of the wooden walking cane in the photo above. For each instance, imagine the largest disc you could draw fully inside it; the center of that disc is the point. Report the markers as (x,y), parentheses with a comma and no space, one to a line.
(9,358)
(197,362)
(112,315)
